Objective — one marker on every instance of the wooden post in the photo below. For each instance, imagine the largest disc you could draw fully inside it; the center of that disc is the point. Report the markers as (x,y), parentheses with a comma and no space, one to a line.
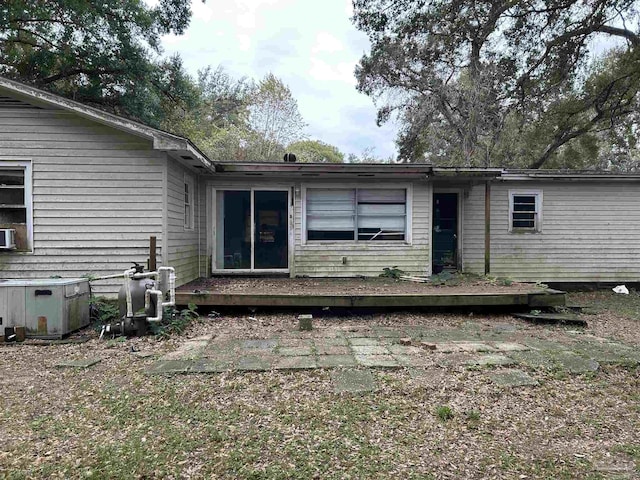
(487,228)
(152,254)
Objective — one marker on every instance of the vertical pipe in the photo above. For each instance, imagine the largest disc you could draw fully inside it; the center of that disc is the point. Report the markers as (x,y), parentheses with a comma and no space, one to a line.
(152,254)
(487,227)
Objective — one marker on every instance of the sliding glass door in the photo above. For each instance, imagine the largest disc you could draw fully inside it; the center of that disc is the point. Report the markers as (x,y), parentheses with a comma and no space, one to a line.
(252,229)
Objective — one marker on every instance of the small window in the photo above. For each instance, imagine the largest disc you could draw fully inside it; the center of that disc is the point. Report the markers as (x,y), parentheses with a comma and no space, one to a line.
(15,201)
(356,214)
(525,214)
(188,203)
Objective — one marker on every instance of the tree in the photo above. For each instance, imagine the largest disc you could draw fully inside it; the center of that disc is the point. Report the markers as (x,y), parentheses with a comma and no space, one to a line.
(275,119)
(98,52)
(218,120)
(508,81)
(315,151)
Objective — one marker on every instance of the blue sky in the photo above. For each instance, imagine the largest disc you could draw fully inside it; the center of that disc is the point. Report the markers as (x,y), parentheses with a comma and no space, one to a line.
(311,45)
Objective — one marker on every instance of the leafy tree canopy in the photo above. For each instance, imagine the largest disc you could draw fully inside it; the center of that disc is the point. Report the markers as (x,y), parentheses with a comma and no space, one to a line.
(315,151)
(99,52)
(507,82)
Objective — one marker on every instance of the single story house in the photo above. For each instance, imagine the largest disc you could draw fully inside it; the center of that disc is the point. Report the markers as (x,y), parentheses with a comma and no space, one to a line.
(85,190)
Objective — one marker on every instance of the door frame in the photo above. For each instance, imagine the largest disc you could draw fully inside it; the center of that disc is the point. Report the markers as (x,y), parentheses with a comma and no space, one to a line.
(214,222)
(459,222)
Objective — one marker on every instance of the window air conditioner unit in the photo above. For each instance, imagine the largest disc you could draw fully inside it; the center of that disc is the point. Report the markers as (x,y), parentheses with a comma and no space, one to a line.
(7,239)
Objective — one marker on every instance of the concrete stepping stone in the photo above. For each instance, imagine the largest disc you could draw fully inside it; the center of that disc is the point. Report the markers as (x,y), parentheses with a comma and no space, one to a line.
(369,350)
(574,363)
(448,347)
(491,360)
(377,361)
(510,347)
(296,342)
(170,367)
(267,344)
(302,362)
(364,341)
(81,363)
(332,350)
(413,360)
(505,328)
(328,361)
(253,363)
(295,351)
(533,359)
(208,365)
(513,378)
(388,333)
(329,342)
(353,381)
(405,350)
(474,347)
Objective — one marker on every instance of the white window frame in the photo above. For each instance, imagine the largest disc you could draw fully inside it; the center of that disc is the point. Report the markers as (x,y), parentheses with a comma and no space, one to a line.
(28,193)
(538,217)
(189,202)
(407,187)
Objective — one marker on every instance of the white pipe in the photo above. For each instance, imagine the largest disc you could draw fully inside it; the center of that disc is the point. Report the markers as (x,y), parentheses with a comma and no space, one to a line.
(127,287)
(171,286)
(159,304)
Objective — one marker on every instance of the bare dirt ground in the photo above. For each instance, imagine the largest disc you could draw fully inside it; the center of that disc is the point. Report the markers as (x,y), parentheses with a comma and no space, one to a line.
(113,420)
(355,286)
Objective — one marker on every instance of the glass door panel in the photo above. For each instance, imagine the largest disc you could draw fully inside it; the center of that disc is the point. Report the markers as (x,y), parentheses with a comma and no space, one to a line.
(271,219)
(233,229)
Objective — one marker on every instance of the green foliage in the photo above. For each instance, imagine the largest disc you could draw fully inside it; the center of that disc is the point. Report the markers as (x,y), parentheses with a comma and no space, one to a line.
(103,310)
(444,413)
(174,322)
(505,83)
(315,151)
(101,53)
(393,272)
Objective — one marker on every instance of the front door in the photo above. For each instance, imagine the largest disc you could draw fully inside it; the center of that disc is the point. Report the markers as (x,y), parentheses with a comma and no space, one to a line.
(252,229)
(445,232)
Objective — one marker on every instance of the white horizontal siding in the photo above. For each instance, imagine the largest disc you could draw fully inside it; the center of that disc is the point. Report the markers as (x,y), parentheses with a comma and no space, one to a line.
(182,243)
(590,232)
(473,230)
(97,196)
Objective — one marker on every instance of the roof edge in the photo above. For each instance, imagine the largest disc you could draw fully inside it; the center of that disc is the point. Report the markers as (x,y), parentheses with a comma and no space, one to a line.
(161,140)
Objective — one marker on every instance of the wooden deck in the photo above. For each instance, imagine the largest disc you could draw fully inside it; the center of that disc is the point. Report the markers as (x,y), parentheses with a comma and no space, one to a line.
(281,296)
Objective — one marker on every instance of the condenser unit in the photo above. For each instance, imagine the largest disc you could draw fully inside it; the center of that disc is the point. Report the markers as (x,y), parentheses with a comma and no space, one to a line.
(7,239)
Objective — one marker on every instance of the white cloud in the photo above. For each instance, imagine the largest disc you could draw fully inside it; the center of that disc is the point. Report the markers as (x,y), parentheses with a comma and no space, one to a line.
(202,12)
(338,72)
(325,42)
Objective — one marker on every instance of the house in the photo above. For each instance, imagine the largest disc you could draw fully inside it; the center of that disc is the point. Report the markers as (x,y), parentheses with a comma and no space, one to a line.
(85,190)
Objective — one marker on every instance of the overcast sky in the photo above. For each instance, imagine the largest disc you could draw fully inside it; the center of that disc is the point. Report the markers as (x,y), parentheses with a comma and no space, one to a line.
(311,45)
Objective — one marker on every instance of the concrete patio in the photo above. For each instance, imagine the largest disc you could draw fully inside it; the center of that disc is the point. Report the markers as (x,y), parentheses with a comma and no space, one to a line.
(510,356)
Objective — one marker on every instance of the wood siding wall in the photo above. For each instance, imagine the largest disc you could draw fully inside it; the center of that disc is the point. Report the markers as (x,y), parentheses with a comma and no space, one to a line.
(473,230)
(590,232)
(97,196)
(183,244)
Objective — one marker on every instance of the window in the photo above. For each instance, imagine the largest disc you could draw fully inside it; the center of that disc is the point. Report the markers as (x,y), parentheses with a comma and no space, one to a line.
(525,212)
(15,201)
(356,214)
(188,203)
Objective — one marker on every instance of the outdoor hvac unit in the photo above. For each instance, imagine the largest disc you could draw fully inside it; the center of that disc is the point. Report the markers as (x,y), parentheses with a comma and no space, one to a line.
(47,308)
(7,239)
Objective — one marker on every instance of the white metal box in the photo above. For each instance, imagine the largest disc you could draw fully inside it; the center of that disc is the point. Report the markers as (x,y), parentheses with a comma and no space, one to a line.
(47,308)
(7,239)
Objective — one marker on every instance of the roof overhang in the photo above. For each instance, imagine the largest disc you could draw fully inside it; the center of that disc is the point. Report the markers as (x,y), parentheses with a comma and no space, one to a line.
(178,146)
(326,170)
(568,176)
